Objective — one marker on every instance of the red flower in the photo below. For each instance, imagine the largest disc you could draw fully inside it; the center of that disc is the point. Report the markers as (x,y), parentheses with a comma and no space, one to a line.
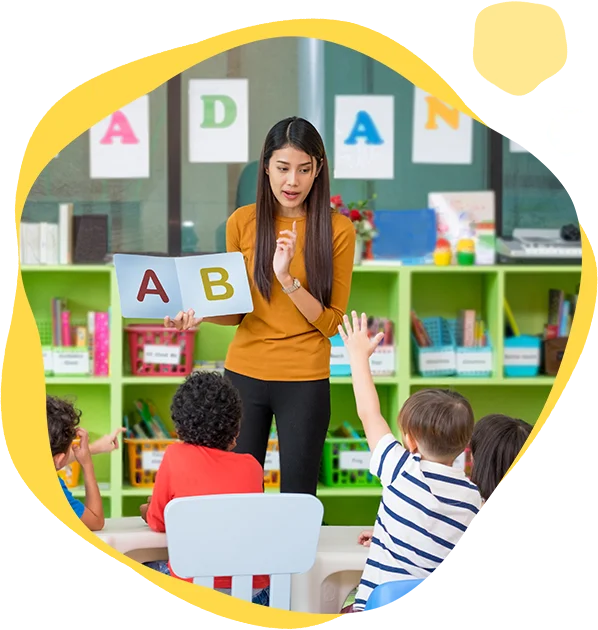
(337,201)
(355,215)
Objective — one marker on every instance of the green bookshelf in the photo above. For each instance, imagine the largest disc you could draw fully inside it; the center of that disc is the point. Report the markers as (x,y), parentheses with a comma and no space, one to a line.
(378,290)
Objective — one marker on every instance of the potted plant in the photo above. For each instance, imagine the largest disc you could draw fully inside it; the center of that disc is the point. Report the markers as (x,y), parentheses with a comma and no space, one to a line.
(363,222)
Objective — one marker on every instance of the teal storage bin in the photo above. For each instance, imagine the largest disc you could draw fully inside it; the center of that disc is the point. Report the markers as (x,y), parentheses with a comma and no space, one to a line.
(439,359)
(522,356)
(339,360)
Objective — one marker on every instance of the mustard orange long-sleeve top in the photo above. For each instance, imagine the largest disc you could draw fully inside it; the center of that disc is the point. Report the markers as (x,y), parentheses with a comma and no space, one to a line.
(276,342)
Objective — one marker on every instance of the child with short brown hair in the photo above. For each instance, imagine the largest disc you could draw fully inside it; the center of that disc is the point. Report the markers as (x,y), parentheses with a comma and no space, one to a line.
(427,504)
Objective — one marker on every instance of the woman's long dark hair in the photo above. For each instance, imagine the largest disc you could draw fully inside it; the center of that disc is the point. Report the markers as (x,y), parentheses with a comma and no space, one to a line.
(302,135)
(495,444)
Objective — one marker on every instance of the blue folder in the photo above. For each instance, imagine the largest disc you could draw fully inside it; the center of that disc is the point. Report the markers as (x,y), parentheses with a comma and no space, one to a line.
(408,236)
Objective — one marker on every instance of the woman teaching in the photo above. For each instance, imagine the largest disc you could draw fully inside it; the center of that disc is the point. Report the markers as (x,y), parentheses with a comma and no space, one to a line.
(299,257)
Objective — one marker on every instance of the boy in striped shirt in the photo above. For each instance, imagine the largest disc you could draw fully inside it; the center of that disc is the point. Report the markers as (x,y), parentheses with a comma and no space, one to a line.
(426,503)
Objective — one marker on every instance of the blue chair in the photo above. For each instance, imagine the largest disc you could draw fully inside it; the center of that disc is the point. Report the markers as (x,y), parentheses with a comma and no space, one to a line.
(424,598)
(216,535)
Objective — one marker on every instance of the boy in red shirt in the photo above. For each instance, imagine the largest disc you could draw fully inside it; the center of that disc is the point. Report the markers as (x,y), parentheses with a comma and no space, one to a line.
(206,411)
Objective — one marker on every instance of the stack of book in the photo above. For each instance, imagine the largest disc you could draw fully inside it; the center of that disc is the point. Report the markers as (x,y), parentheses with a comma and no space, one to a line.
(561,309)
(48,243)
(93,337)
(145,422)
(470,330)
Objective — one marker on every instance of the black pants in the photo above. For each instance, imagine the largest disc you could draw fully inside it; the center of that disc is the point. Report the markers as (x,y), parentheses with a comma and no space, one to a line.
(302,412)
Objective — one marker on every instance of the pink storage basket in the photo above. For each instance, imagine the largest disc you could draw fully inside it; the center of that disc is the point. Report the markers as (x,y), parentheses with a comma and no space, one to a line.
(142,335)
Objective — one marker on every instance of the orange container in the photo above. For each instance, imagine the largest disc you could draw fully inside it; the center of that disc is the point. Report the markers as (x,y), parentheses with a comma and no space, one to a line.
(145,457)
(272,465)
(71,473)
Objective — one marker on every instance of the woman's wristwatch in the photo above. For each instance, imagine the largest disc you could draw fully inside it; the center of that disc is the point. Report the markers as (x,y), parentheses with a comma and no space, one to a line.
(296,285)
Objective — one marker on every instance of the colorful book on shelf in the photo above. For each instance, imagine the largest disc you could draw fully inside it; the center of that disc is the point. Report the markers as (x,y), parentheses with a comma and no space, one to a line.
(419,331)
(555,306)
(101,350)
(381,325)
(466,328)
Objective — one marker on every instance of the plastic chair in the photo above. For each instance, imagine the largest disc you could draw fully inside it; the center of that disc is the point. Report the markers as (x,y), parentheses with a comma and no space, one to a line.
(389,592)
(243,535)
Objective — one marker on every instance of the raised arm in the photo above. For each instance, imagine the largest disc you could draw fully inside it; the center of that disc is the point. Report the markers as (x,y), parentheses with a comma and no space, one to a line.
(360,347)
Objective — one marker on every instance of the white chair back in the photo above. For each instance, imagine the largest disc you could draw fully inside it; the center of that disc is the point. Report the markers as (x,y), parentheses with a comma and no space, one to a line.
(243,535)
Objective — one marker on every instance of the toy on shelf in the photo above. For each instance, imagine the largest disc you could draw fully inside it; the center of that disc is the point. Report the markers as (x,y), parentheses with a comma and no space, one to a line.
(443,253)
(465,244)
(474,211)
(465,251)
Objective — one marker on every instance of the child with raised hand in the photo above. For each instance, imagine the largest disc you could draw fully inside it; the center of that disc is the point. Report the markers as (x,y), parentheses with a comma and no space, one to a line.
(427,504)
(63,419)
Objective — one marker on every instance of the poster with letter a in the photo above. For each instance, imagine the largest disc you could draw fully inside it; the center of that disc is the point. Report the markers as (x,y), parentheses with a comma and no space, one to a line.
(364,137)
(119,144)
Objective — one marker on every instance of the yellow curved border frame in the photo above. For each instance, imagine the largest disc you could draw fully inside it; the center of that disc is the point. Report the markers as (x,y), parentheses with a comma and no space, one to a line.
(54,579)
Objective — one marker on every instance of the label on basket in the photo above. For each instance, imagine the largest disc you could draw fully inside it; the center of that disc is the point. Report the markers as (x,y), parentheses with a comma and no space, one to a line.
(522,357)
(70,362)
(168,355)
(151,460)
(474,361)
(382,360)
(355,460)
(433,361)
(48,356)
(272,461)
(338,355)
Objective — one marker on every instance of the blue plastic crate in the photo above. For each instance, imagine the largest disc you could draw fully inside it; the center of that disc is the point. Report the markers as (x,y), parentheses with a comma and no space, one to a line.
(339,361)
(472,361)
(522,356)
(439,359)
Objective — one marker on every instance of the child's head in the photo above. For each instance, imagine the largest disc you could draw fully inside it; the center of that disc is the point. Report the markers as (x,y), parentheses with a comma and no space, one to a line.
(207,410)
(495,443)
(436,423)
(63,419)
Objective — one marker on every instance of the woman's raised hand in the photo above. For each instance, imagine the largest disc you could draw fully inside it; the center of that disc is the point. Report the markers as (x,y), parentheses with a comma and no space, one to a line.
(183,321)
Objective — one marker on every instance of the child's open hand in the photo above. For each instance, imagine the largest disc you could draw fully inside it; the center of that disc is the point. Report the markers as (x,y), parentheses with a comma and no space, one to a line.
(356,338)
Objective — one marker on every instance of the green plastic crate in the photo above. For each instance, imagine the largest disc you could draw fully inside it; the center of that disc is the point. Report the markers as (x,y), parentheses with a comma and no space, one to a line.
(345,464)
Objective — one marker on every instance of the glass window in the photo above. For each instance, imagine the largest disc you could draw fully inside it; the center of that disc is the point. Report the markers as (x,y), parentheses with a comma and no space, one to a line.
(532,197)
(211,192)
(136,208)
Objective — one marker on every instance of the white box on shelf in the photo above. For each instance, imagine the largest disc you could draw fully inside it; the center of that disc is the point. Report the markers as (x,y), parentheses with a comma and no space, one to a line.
(48,356)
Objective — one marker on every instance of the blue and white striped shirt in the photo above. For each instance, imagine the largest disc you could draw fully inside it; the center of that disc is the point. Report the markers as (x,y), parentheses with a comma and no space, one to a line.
(425,509)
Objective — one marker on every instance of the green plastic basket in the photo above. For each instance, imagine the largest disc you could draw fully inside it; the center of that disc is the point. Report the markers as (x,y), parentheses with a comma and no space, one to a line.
(345,464)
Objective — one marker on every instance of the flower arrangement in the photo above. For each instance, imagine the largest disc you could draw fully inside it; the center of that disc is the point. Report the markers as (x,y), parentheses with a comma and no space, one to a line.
(363,220)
